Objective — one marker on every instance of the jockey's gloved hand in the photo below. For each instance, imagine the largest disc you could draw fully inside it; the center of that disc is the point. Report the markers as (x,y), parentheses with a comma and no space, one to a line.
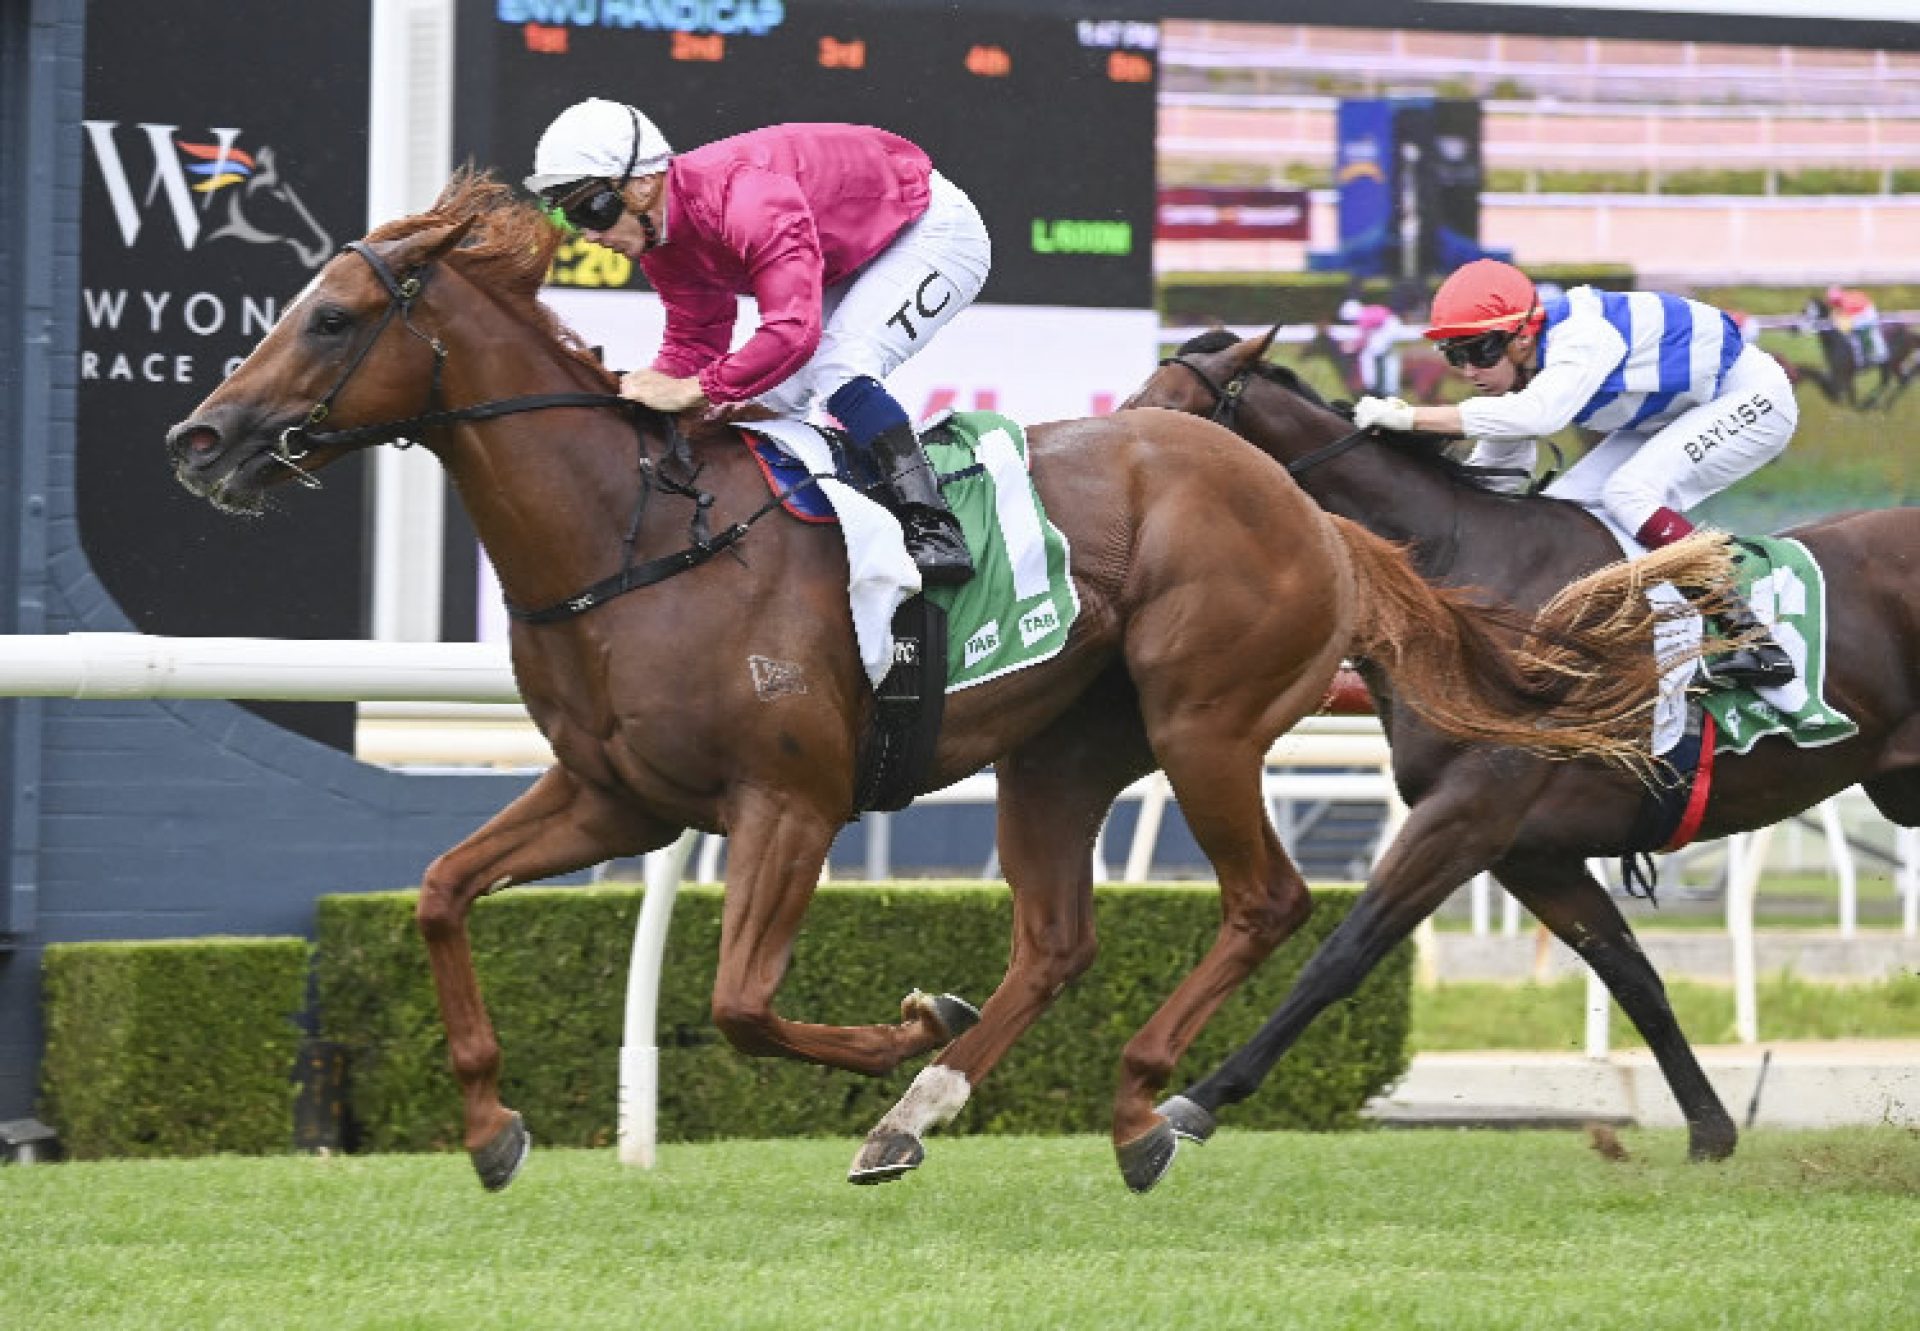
(1382,413)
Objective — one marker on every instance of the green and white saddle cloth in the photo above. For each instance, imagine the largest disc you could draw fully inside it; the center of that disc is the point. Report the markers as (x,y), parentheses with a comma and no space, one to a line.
(1020,604)
(1788,593)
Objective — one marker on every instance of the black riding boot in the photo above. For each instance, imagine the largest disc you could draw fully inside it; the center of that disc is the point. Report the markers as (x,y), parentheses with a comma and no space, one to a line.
(909,487)
(1762,664)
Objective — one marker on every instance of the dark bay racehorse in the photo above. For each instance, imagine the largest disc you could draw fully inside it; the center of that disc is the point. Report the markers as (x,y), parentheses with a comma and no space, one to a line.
(1217,601)
(1845,363)
(1535,824)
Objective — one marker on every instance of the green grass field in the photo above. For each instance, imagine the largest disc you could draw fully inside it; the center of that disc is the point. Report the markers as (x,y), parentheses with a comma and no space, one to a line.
(1792,901)
(1366,1230)
(1459,1016)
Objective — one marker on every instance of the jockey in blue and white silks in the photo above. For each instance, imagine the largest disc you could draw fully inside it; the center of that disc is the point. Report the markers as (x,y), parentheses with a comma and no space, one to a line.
(1686,406)
(1670,354)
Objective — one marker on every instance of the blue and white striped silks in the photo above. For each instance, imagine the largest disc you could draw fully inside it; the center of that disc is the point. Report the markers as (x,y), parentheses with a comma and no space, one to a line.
(1678,351)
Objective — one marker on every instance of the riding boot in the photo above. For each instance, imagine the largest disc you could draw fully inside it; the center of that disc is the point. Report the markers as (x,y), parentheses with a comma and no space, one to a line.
(1762,663)
(909,487)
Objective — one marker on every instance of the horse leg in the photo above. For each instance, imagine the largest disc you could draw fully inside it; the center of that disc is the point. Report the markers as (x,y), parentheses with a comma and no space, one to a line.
(1567,899)
(1446,840)
(1263,901)
(1054,793)
(559,825)
(775,849)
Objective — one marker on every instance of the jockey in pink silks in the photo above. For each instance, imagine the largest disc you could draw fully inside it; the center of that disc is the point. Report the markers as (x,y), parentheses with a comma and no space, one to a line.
(856,250)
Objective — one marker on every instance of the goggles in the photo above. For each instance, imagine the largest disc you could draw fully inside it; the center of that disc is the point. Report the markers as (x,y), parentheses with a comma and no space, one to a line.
(1483,351)
(594,205)
(1480,352)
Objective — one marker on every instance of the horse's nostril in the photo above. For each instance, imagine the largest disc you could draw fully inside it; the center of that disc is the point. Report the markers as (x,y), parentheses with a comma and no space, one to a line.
(192,442)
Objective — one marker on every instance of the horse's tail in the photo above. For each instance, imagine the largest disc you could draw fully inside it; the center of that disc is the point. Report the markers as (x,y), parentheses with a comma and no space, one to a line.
(1577,679)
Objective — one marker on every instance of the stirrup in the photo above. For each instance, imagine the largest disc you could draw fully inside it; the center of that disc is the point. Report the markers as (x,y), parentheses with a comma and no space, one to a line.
(1764,666)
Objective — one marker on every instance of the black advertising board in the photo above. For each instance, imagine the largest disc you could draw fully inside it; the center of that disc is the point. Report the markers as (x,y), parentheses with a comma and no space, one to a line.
(225,160)
(1047,121)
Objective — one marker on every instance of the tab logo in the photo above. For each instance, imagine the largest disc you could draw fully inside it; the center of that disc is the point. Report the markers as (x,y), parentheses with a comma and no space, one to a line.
(982,644)
(1037,623)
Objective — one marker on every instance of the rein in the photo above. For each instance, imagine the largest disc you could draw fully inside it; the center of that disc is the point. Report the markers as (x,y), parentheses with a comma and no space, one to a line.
(1228,397)
(298,441)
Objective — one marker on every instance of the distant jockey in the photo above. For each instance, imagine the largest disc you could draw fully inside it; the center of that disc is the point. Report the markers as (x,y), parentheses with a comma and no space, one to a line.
(1374,342)
(1686,406)
(1853,313)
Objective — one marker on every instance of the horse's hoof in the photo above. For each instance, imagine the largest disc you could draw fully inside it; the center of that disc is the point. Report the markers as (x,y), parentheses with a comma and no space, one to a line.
(885,1156)
(1187,1119)
(499,1161)
(953,1014)
(1712,1142)
(1144,1161)
(956,1014)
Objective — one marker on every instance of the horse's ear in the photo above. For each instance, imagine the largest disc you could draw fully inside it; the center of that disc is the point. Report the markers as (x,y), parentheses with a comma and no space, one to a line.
(1266,343)
(434,244)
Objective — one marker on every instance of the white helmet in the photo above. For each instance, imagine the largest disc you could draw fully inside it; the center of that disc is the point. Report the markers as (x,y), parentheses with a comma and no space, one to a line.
(1350,310)
(597,138)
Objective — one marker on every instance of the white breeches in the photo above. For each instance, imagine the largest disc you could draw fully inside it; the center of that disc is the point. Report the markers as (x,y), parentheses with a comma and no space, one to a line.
(887,311)
(1631,473)
(1380,363)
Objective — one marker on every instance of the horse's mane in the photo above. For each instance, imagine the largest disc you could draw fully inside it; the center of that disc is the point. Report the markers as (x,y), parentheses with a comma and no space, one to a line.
(1425,449)
(507,253)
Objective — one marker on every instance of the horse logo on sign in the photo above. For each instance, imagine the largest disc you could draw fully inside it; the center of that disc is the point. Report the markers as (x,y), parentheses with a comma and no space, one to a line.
(256,203)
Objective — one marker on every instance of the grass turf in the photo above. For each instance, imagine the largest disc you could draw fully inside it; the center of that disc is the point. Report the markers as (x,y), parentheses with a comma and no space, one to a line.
(1365,1230)
(1473,1015)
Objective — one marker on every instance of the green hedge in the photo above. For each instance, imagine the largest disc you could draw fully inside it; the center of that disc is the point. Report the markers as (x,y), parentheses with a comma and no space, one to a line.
(1197,299)
(552,963)
(172,1048)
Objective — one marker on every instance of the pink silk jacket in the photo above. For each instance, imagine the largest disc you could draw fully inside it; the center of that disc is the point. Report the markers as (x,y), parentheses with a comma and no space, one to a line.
(779,214)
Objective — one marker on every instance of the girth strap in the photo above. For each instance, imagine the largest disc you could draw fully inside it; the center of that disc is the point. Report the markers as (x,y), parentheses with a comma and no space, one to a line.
(634,577)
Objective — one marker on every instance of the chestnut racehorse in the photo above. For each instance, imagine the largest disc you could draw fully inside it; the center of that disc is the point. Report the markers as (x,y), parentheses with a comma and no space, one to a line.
(1534,824)
(1216,603)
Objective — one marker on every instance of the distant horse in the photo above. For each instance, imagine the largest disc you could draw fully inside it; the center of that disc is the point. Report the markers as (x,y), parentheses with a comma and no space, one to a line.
(1216,603)
(1841,351)
(1535,824)
(1422,375)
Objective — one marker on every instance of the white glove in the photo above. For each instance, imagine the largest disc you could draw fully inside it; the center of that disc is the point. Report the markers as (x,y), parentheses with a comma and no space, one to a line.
(1385,413)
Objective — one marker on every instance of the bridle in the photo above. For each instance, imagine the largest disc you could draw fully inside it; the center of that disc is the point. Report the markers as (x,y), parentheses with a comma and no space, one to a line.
(1227,398)
(297,442)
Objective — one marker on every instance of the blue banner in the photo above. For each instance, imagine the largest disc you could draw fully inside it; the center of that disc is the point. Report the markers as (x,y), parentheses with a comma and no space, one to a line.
(1364,172)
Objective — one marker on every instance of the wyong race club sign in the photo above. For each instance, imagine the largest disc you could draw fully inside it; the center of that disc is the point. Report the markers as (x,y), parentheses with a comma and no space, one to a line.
(224,161)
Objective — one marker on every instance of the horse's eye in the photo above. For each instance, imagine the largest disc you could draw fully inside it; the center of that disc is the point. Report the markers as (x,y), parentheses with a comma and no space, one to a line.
(330,321)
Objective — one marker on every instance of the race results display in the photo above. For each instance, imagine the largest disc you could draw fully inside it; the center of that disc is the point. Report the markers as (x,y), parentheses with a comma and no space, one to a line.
(1048,123)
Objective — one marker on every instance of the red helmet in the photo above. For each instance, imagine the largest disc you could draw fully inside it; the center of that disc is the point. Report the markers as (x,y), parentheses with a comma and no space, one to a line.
(1482,297)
